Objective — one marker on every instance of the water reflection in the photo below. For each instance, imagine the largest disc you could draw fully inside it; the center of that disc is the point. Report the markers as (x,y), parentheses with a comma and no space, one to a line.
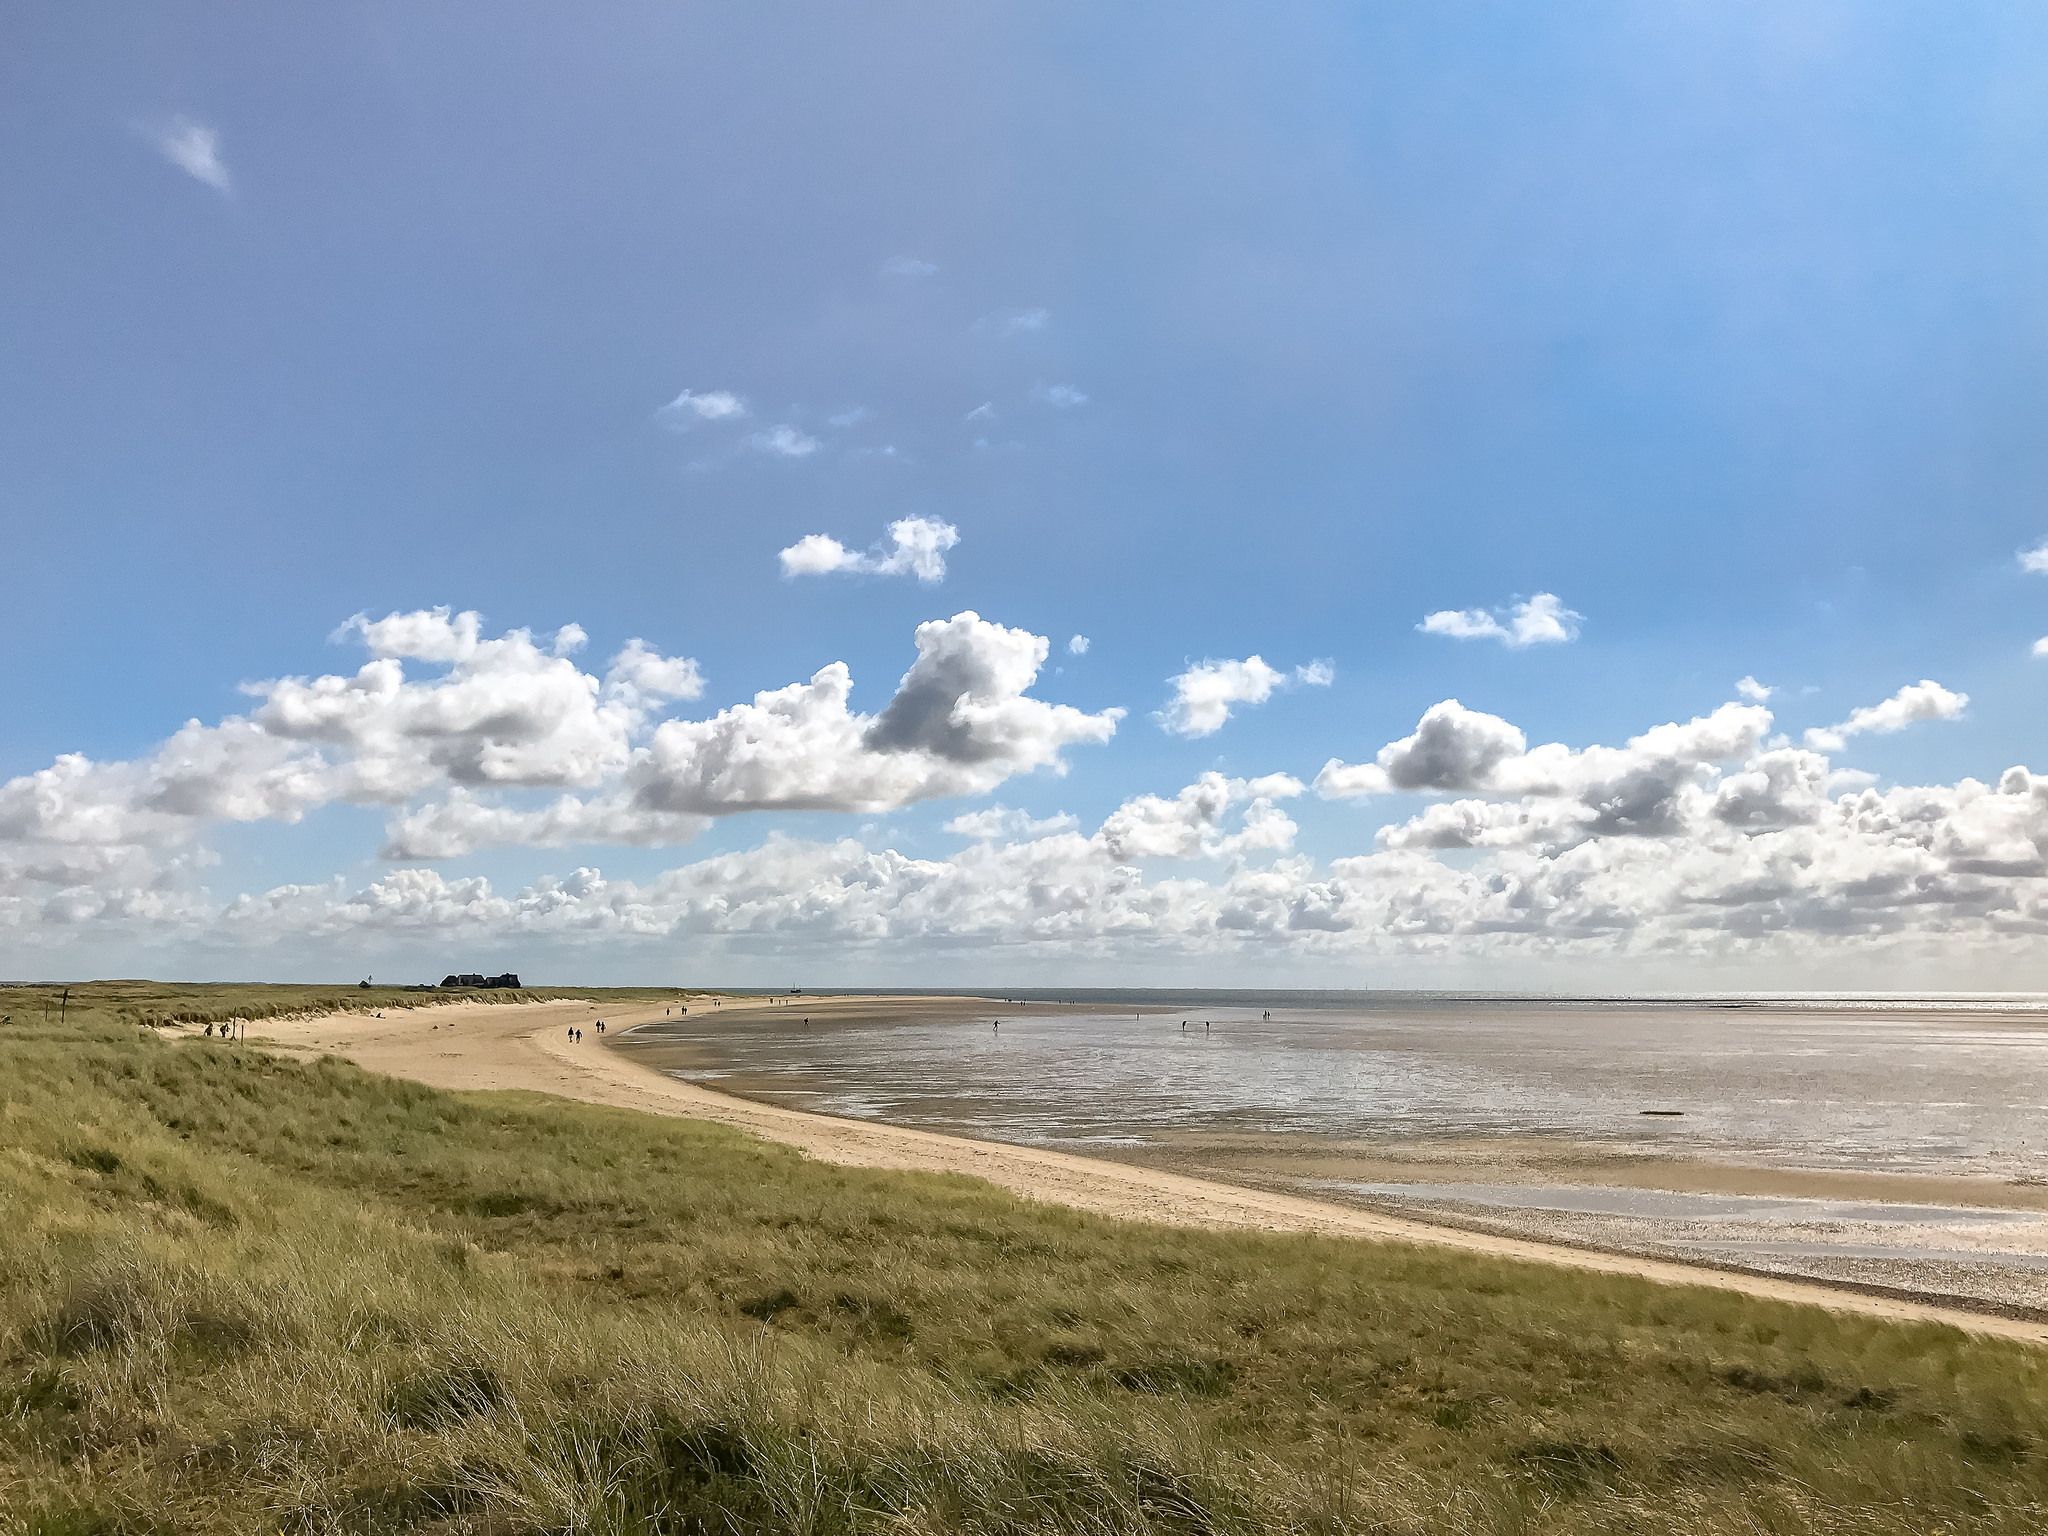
(1920,1089)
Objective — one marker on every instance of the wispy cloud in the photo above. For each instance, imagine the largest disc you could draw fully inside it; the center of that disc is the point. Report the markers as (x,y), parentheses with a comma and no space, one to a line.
(908,266)
(999,821)
(850,418)
(986,411)
(194,149)
(1014,322)
(1064,396)
(784,441)
(1542,620)
(691,407)
(1078,646)
(917,547)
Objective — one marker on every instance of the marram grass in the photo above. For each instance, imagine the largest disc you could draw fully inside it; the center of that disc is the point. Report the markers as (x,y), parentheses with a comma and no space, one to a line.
(39,1005)
(244,1294)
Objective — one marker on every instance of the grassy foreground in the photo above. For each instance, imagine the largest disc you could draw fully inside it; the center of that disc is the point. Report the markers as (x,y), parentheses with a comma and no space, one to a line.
(245,1294)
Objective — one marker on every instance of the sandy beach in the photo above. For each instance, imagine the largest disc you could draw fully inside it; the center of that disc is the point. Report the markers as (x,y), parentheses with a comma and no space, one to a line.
(528,1047)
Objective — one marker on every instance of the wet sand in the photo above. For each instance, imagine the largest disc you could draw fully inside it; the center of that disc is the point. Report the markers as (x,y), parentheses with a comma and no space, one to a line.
(486,1046)
(1884,1144)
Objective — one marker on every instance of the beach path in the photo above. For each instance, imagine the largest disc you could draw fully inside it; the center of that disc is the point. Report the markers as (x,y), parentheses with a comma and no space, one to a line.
(527,1046)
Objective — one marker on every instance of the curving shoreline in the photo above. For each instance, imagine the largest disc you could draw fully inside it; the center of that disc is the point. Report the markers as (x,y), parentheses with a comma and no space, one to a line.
(526,1047)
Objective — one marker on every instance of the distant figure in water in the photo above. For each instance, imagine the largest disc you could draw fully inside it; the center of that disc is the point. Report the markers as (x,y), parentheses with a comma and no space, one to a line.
(999,1023)
(1205,1024)
(572,1031)
(1183,1026)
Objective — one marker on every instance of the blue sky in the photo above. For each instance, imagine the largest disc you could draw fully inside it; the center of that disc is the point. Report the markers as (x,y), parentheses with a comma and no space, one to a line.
(1286,327)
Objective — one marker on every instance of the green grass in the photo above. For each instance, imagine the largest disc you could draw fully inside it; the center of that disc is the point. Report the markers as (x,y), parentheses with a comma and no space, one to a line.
(245,1294)
(162,1002)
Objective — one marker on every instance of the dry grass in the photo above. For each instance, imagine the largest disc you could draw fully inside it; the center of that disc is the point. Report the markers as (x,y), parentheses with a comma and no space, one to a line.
(240,1294)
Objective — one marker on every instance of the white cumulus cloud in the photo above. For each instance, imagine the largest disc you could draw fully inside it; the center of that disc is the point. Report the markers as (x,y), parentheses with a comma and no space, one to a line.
(457,753)
(1690,849)
(917,547)
(504,715)
(1191,824)
(1453,748)
(1553,795)
(1542,620)
(1924,700)
(961,722)
(819,554)
(1762,864)
(1204,695)
(1753,690)
(1078,646)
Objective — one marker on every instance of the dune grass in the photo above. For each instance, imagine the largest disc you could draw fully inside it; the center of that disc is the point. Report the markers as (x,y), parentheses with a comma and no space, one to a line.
(40,1005)
(240,1293)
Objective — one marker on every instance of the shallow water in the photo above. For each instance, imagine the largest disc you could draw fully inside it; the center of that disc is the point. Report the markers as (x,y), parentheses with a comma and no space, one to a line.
(1928,1087)
(1744,1229)
(1738,1252)
(1670,1205)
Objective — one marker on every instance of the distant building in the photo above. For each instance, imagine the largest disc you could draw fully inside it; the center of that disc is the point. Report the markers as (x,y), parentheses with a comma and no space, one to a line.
(509,979)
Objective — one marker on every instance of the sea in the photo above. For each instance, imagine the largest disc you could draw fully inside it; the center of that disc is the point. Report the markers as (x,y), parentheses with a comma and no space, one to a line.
(1933,1084)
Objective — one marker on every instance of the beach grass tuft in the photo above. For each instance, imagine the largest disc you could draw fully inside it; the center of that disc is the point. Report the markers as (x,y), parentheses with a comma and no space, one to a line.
(246,1293)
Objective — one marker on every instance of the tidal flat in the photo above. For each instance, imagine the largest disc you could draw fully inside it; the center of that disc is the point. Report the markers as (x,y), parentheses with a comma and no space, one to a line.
(1890,1143)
